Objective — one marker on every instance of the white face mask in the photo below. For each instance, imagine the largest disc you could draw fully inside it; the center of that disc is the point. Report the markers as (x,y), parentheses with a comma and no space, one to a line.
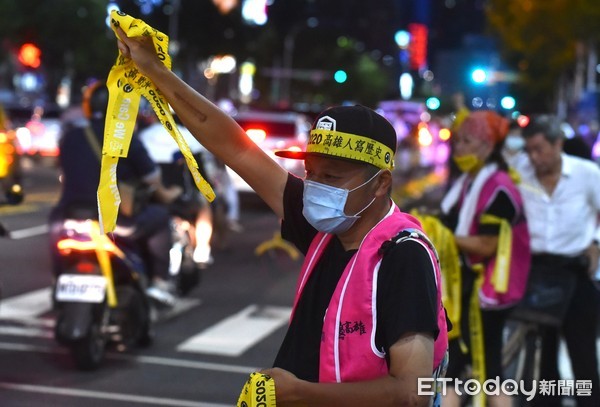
(324,206)
(514,142)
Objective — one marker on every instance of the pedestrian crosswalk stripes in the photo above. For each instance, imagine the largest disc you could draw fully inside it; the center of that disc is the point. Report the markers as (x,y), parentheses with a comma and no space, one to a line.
(29,315)
(237,333)
(27,305)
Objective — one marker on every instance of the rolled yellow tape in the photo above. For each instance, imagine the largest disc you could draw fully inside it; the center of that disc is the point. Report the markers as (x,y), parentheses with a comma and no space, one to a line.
(259,391)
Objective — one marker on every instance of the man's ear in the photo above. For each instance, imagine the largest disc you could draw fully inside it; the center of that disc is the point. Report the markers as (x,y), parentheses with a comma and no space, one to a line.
(384,183)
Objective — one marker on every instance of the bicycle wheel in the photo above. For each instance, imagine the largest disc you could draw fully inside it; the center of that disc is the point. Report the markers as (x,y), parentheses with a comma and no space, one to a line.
(513,347)
(521,355)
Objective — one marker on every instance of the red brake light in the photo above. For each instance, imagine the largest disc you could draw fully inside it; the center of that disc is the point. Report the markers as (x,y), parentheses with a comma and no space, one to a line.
(84,267)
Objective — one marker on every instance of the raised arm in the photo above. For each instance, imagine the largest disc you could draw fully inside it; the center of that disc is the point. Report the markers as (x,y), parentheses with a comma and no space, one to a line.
(212,127)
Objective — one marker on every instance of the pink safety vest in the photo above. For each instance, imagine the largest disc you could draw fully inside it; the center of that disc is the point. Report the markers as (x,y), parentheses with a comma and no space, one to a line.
(520,250)
(348,351)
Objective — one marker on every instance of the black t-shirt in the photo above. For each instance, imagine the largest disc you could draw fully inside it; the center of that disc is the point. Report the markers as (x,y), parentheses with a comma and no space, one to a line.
(80,165)
(406,294)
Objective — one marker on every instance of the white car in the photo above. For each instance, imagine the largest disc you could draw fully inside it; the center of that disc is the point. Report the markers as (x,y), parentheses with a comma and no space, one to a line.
(274,131)
(40,135)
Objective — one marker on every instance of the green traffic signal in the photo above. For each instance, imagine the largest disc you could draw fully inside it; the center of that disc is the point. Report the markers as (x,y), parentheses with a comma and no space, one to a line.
(340,76)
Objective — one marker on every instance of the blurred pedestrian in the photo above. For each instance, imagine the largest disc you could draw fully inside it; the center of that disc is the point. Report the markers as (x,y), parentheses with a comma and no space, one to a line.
(484,208)
(513,150)
(364,324)
(562,202)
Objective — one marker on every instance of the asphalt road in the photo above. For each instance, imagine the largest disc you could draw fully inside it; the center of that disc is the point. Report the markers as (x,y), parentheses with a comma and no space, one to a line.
(229,326)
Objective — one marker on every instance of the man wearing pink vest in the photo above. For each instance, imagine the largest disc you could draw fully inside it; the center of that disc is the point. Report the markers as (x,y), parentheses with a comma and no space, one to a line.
(367,322)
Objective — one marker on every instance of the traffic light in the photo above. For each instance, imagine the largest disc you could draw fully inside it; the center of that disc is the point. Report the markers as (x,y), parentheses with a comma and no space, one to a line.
(30,55)
(340,76)
(508,102)
(433,103)
(479,75)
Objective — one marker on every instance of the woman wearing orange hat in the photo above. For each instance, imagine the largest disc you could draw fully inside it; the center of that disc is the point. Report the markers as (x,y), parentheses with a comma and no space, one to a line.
(485,211)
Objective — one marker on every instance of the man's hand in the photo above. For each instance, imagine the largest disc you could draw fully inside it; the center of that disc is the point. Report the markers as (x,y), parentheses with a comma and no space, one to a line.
(140,50)
(285,385)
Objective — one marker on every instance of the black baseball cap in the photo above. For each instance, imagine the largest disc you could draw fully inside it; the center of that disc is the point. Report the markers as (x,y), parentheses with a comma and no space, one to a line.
(350,132)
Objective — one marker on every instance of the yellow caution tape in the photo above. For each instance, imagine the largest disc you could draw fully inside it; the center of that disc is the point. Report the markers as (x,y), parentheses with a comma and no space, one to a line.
(258,391)
(477,340)
(351,146)
(104,262)
(126,85)
(514,175)
(501,275)
(445,244)
(499,280)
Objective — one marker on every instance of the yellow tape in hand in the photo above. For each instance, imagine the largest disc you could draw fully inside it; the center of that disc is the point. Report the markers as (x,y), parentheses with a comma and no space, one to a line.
(445,244)
(104,262)
(501,275)
(477,339)
(258,391)
(126,85)
(499,279)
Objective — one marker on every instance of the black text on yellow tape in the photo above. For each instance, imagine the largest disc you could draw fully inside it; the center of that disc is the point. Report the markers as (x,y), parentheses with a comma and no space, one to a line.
(126,85)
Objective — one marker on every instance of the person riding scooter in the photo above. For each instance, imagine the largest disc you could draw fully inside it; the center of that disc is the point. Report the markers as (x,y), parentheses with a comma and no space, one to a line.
(146,222)
(191,205)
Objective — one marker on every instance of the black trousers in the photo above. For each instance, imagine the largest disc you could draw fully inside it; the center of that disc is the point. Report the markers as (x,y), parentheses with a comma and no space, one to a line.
(579,331)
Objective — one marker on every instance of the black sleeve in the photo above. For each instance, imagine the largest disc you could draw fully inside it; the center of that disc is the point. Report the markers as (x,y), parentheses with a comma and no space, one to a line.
(406,295)
(138,163)
(502,206)
(295,227)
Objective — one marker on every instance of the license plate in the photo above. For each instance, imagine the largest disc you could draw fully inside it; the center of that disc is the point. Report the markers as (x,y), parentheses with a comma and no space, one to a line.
(74,287)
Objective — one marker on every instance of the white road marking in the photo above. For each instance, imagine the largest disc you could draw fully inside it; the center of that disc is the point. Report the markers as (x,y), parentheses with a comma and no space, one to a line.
(237,333)
(131,398)
(26,308)
(150,360)
(181,305)
(155,360)
(26,305)
(26,331)
(29,232)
